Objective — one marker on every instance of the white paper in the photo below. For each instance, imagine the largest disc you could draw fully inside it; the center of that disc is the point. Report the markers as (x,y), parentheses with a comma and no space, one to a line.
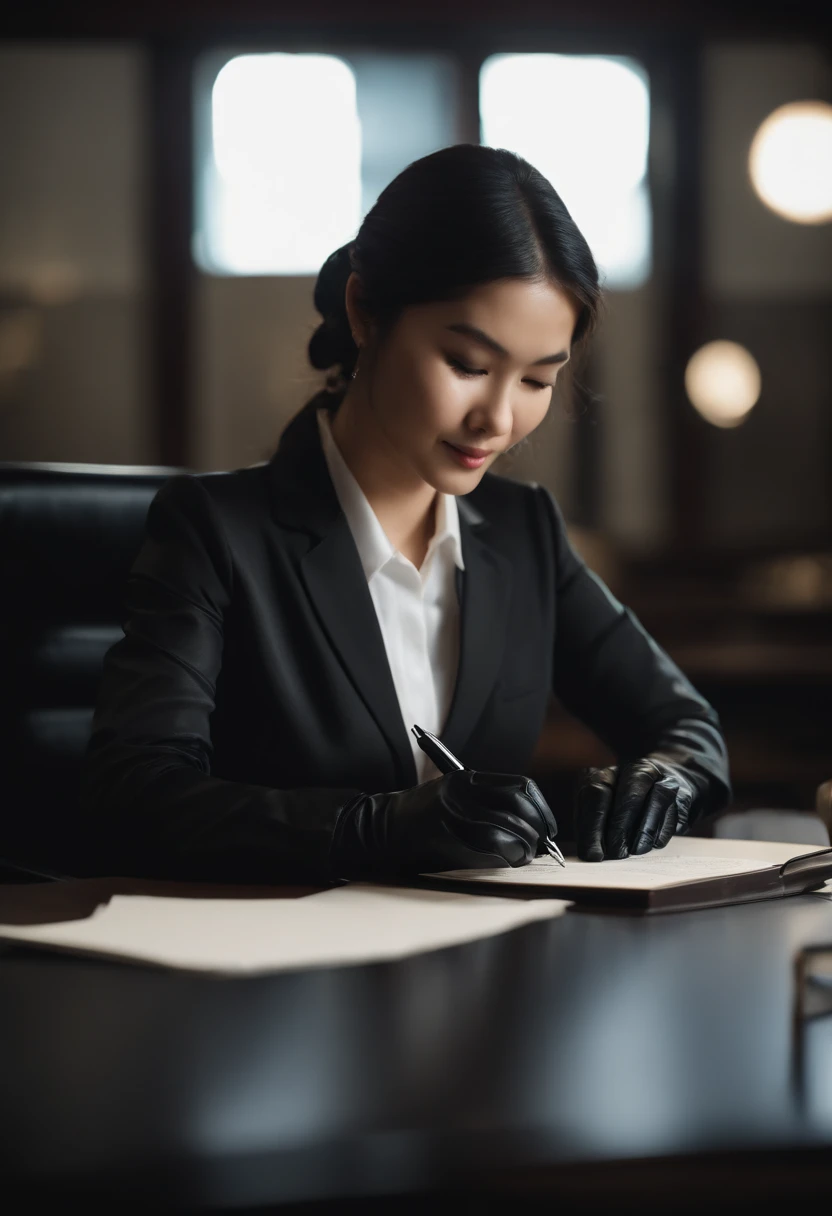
(357,923)
(684,859)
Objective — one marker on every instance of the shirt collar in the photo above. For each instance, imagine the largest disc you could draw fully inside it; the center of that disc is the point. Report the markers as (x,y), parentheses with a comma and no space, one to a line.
(374,546)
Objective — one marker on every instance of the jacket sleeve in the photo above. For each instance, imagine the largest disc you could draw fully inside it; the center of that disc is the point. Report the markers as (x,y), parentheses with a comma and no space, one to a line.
(614,677)
(148,798)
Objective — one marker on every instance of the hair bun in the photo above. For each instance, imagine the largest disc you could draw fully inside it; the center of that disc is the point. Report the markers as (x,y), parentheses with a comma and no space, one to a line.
(332,281)
(332,342)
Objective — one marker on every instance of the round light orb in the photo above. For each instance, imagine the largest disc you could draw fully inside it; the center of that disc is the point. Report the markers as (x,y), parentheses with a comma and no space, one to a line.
(722,381)
(790,162)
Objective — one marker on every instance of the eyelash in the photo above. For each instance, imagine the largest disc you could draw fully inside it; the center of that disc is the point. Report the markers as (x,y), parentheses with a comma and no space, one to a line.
(462,370)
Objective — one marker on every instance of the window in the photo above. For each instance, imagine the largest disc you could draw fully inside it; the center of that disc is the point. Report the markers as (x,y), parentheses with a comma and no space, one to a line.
(270,206)
(293,149)
(583,121)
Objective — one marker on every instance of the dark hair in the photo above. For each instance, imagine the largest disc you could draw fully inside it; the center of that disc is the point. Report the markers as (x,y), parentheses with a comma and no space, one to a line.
(455,219)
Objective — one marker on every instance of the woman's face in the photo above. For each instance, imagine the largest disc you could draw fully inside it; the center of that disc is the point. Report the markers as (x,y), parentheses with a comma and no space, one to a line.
(476,373)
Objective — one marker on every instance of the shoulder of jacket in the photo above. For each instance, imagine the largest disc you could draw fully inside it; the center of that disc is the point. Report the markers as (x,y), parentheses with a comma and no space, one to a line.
(225,490)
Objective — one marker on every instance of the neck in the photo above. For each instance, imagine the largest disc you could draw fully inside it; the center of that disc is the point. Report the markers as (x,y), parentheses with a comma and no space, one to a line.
(403,503)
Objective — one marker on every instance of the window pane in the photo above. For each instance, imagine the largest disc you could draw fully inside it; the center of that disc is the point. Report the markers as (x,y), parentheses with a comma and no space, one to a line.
(292,150)
(283,184)
(583,121)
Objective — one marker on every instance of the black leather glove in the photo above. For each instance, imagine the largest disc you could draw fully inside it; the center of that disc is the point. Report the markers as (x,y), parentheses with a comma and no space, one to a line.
(462,820)
(635,807)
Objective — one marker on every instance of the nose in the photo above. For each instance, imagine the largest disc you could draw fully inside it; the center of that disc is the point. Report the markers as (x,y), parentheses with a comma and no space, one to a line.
(493,416)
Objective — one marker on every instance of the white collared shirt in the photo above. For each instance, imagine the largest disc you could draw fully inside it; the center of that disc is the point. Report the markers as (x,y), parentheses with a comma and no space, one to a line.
(417,610)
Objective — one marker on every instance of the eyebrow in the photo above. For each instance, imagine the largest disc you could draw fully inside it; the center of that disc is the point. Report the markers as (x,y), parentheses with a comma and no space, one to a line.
(478,335)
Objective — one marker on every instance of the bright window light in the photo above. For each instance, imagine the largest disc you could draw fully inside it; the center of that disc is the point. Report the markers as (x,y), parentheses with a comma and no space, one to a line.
(285,174)
(790,162)
(583,121)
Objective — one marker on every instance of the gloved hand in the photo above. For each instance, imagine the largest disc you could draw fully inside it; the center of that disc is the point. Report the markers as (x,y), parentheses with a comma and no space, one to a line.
(634,808)
(463,820)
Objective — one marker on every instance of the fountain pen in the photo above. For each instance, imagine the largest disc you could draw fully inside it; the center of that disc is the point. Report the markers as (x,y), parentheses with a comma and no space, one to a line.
(447,762)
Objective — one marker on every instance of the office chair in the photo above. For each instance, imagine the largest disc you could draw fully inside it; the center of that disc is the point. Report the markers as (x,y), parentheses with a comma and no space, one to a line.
(68,536)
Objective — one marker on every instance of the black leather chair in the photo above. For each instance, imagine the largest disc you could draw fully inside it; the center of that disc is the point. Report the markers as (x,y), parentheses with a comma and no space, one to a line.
(68,536)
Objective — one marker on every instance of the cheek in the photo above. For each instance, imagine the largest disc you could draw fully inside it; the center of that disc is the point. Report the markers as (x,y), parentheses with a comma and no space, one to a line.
(400,390)
(438,398)
(529,412)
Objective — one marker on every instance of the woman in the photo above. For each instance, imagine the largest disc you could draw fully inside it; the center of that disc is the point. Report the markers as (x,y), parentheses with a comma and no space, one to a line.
(287,624)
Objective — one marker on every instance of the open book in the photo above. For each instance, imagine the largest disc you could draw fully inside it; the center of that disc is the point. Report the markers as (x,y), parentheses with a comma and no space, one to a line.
(688,873)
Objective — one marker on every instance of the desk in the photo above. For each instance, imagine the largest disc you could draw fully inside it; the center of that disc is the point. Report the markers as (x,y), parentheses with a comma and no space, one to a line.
(592,1057)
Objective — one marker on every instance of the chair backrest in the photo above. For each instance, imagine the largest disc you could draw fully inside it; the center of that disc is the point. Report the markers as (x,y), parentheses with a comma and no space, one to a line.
(68,536)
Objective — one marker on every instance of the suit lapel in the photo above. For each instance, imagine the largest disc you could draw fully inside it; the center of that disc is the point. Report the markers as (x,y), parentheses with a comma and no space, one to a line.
(484,590)
(338,589)
(304,499)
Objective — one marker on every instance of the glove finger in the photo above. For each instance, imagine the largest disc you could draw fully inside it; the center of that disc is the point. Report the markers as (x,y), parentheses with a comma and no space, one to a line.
(594,800)
(661,798)
(668,827)
(535,795)
(512,794)
(507,824)
(632,790)
(684,802)
(516,850)
(485,830)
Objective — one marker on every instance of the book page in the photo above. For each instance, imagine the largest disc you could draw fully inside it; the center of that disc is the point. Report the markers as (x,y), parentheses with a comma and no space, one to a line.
(684,859)
(358,923)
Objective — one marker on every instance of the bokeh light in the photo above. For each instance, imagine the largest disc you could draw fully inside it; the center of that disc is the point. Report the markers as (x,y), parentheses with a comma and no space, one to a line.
(722,381)
(790,162)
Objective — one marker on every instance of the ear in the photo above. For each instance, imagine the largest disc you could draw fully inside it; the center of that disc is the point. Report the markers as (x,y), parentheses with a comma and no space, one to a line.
(360,323)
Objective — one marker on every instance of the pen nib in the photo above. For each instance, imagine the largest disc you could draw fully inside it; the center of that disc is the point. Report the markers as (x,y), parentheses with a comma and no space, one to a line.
(553,851)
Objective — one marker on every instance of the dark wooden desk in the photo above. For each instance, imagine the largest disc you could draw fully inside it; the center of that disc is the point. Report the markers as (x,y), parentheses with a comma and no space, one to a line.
(605,1062)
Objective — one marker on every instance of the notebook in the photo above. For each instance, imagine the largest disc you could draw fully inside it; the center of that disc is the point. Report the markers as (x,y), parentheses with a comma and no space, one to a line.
(688,873)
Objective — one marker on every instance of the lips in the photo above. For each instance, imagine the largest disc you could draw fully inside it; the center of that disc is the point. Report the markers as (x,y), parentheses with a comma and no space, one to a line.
(475,452)
(463,458)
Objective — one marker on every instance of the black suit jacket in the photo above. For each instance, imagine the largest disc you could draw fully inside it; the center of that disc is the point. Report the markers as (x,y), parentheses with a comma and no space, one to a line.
(251,696)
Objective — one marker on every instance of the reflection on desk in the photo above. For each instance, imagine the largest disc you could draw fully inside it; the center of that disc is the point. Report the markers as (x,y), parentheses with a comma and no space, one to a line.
(593,1058)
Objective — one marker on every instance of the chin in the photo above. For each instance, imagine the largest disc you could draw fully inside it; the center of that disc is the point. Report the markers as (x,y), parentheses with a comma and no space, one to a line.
(463,483)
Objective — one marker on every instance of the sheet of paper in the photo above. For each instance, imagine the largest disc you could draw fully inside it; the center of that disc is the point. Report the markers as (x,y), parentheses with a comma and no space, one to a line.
(358,923)
(684,859)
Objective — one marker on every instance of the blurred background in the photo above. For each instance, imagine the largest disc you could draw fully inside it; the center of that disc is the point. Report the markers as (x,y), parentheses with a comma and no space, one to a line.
(175,174)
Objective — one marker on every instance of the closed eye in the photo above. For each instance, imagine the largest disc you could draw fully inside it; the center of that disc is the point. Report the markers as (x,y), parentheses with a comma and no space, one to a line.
(463,370)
